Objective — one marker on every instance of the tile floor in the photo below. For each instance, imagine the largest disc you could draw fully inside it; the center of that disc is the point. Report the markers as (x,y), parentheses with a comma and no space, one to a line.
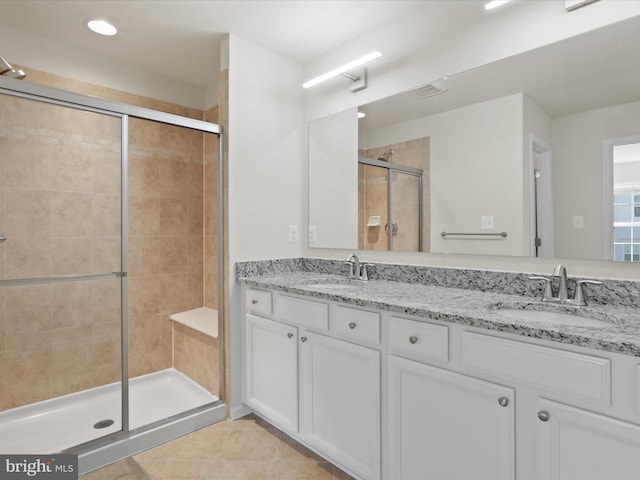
(246,449)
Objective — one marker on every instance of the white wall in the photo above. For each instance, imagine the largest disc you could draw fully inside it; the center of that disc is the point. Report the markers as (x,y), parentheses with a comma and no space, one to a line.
(578,169)
(476,160)
(476,170)
(426,44)
(266,167)
(28,50)
(333,179)
(445,37)
(537,125)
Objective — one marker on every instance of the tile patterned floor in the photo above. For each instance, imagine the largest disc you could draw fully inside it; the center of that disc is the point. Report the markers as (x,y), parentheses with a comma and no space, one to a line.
(246,449)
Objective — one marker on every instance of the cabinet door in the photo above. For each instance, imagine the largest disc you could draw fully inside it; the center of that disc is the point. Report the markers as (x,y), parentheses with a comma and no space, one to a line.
(446,425)
(272,371)
(581,445)
(340,401)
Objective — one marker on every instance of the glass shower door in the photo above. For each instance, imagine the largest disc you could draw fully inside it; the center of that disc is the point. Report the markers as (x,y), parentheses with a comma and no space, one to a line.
(60,281)
(404,205)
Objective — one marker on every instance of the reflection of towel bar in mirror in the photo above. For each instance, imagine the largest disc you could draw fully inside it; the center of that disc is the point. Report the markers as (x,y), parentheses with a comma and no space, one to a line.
(497,234)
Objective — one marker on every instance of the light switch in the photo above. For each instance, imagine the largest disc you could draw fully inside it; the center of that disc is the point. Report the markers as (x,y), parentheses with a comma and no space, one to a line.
(486,223)
(312,234)
(578,222)
(293,233)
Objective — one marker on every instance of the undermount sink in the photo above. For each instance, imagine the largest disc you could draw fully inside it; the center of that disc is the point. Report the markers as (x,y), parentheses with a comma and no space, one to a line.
(577,318)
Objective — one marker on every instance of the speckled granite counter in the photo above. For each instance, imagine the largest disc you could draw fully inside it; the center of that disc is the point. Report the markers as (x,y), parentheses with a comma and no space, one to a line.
(476,308)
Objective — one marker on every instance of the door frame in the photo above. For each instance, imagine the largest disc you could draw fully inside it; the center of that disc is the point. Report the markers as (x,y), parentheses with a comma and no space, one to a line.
(538,146)
(607,189)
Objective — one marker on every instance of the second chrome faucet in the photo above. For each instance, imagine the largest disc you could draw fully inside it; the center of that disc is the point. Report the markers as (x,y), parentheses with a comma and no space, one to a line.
(560,272)
(358,269)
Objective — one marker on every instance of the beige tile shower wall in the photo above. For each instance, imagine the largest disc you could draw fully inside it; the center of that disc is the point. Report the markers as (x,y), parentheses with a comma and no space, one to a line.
(166,267)
(75,343)
(60,210)
(211,214)
(196,355)
(375,204)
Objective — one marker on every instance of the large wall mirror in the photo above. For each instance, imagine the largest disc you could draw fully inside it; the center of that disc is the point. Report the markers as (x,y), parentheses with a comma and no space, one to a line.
(534,155)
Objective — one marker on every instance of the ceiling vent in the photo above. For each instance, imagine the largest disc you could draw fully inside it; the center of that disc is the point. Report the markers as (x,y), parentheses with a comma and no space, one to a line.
(430,89)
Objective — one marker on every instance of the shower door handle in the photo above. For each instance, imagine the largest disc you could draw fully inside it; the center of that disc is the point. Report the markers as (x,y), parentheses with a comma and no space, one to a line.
(394,228)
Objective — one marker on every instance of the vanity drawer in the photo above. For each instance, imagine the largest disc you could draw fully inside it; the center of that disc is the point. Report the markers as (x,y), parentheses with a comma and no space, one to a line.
(258,301)
(570,374)
(305,313)
(419,340)
(356,324)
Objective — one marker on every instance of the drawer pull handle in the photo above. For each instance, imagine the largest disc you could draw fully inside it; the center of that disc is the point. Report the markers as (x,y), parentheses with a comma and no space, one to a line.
(289,335)
(543,416)
(303,339)
(254,301)
(352,325)
(503,401)
(413,339)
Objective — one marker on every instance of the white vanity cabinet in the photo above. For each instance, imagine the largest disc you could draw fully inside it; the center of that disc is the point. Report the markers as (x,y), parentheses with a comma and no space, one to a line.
(271,377)
(396,397)
(340,401)
(448,426)
(317,382)
(578,444)
(443,424)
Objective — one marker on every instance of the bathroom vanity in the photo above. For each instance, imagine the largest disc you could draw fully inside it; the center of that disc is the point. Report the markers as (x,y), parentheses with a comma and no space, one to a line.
(399,380)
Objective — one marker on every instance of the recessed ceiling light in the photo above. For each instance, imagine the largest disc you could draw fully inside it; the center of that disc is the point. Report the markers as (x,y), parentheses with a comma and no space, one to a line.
(102,27)
(361,114)
(494,4)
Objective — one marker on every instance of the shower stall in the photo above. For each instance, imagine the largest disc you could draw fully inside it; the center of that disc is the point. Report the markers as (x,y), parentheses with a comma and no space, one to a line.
(110,275)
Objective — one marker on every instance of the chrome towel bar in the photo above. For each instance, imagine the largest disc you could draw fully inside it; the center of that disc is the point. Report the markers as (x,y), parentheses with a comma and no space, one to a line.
(468,234)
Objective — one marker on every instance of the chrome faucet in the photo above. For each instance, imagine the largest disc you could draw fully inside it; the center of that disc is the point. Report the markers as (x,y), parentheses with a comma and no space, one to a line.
(560,272)
(358,269)
(355,264)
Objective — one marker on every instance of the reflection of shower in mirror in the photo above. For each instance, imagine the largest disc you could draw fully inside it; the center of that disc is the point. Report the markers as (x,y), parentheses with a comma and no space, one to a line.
(386,156)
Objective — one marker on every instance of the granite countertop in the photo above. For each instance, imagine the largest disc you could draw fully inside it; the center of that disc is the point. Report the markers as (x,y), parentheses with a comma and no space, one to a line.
(488,310)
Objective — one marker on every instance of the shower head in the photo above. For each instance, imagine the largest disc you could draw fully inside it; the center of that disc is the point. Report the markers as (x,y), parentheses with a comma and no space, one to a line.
(386,156)
(8,71)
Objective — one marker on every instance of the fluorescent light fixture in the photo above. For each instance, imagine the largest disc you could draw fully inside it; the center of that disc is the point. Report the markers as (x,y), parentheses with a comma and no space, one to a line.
(343,69)
(102,27)
(494,4)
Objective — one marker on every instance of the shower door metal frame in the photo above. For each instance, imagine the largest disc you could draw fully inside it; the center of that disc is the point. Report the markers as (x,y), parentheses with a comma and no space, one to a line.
(416,172)
(18,88)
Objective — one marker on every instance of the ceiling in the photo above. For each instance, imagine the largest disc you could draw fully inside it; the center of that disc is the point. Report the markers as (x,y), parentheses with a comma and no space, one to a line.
(181,39)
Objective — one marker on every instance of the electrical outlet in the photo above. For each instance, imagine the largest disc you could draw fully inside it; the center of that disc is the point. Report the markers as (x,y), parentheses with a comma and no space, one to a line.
(312,234)
(578,222)
(293,233)
(486,223)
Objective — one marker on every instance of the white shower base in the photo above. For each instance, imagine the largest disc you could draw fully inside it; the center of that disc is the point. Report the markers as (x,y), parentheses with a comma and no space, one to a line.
(60,423)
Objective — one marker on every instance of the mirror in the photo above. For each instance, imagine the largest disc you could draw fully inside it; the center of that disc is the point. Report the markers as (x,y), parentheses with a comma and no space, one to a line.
(516,158)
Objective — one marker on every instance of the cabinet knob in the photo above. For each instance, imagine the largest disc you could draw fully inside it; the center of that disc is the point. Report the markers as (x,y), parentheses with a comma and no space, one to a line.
(352,325)
(303,339)
(503,401)
(543,416)
(413,339)
(254,301)
(289,335)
